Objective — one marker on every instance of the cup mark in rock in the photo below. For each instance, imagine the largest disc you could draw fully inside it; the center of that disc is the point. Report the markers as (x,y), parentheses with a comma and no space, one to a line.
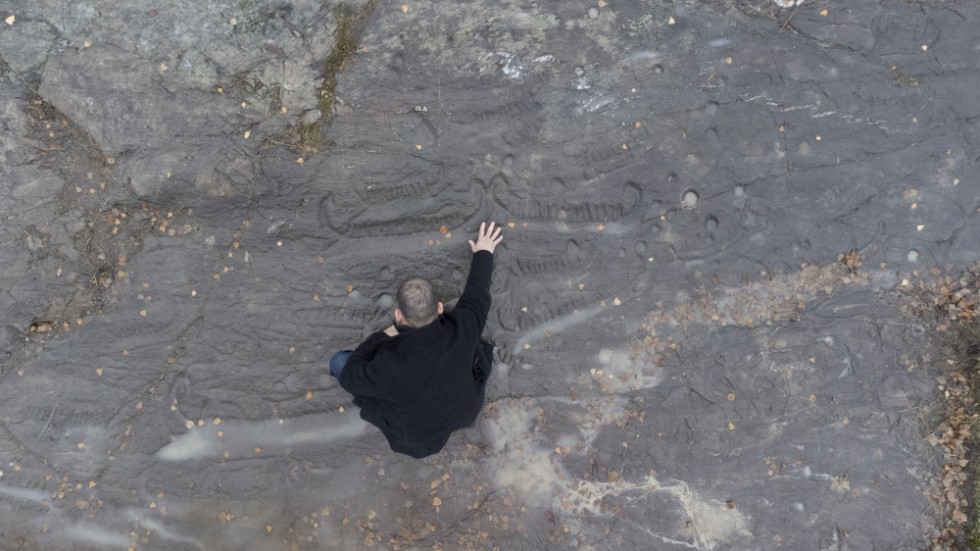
(711,224)
(690,198)
(385,301)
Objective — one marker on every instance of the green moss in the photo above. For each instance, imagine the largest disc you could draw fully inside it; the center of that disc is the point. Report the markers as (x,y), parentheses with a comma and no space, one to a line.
(350,20)
(310,136)
(350,25)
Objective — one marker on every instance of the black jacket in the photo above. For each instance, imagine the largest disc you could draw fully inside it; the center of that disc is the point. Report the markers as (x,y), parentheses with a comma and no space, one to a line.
(421,385)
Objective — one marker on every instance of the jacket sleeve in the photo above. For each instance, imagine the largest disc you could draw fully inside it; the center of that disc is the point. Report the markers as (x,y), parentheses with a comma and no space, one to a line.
(475,300)
(361,376)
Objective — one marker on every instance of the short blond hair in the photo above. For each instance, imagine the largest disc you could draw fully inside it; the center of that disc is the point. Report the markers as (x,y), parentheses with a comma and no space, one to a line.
(417,301)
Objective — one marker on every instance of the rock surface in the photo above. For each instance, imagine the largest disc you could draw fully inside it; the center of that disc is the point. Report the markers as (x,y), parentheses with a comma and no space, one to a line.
(710,211)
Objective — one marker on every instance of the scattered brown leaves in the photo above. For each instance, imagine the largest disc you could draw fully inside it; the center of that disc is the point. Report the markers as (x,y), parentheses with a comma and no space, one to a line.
(956,298)
(852,261)
(947,494)
(947,305)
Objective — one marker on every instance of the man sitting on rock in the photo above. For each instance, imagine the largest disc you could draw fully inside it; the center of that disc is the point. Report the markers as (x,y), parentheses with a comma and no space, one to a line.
(424,377)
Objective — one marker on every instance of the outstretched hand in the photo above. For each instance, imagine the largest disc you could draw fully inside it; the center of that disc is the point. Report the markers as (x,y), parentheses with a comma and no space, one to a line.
(487,239)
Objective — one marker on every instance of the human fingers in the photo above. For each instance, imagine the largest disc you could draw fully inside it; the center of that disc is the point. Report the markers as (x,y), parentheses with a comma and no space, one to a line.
(490,228)
(482,227)
(472,246)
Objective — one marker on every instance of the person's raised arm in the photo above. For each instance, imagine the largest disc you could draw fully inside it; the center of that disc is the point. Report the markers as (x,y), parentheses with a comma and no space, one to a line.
(476,295)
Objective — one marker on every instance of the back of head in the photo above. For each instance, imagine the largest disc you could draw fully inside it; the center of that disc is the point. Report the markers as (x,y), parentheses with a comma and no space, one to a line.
(417,301)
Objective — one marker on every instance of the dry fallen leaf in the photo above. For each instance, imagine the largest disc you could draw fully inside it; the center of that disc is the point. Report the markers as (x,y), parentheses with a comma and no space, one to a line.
(10,20)
(731,426)
(404,8)
(350,288)
(731,396)
(309,394)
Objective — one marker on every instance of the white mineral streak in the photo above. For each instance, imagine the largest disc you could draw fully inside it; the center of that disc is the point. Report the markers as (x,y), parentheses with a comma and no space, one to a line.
(620,373)
(240,438)
(554,327)
(26,494)
(537,476)
(97,535)
(160,530)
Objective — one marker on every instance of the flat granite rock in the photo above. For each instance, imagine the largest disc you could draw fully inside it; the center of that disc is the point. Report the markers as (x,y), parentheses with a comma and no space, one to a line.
(714,213)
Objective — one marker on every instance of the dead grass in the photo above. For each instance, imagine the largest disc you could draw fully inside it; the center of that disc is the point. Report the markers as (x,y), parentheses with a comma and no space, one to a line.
(947,305)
